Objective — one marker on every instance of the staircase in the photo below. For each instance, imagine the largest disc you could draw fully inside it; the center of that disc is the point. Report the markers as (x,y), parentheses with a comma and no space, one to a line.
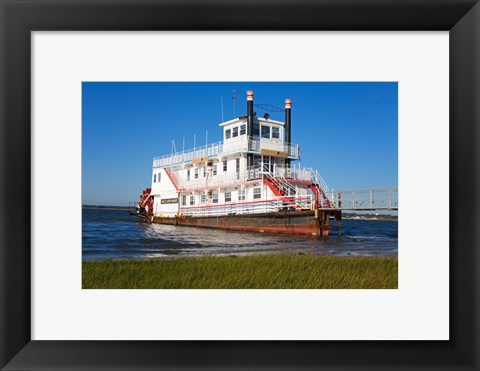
(285,186)
(319,187)
(281,188)
(174,178)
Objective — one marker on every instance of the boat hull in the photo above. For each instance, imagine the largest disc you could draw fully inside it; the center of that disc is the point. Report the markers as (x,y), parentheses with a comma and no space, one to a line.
(316,222)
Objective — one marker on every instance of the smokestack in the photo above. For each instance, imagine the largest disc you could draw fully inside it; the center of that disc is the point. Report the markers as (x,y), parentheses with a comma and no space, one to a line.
(288,124)
(249,113)
(249,123)
(288,120)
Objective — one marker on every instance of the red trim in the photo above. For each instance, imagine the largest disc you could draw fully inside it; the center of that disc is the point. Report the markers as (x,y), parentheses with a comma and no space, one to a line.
(237,203)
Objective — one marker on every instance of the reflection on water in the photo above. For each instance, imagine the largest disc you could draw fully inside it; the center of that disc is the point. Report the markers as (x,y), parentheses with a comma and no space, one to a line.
(114,234)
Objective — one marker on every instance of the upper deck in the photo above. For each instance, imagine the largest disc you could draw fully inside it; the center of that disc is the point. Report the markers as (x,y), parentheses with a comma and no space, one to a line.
(242,144)
(250,135)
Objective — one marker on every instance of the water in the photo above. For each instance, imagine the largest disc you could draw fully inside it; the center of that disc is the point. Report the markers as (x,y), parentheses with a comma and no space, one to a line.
(114,234)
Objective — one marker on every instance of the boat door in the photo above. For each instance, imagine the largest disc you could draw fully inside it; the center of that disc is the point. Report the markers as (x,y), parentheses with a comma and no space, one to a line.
(267,163)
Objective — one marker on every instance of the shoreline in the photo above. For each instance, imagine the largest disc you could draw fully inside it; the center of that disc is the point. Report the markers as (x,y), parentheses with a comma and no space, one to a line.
(123,208)
(244,272)
(346,216)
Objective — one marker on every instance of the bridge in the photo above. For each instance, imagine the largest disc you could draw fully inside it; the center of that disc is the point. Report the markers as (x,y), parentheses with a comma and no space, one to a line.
(362,200)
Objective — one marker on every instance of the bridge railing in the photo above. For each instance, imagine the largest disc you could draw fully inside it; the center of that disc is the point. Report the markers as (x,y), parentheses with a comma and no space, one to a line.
(370,199)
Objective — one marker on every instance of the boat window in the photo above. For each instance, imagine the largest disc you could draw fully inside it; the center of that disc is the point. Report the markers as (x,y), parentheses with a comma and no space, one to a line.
(228,196)
(154,178)
(192,200)
(204,171)
(265,131)
(159,176)
(188,175)
(224,165)
(243,129)
(215,198)
(235,132)
(241,195)
(228,133)
(196,172)
(184,200)
(257,193)
(214,169)
(203,198)
(275,132)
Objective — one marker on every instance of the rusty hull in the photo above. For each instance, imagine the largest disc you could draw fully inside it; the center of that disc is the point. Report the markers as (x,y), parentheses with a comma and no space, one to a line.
(315,222)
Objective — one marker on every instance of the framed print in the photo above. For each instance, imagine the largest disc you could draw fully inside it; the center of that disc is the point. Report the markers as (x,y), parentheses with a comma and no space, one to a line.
(59,59)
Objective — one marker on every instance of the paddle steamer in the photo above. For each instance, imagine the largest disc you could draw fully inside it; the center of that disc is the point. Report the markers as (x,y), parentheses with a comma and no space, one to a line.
(250,181)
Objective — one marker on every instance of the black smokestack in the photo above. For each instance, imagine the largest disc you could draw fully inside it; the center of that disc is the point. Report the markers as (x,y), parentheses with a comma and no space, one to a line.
(250,113)
(288,121)
(249,123)
(288,124)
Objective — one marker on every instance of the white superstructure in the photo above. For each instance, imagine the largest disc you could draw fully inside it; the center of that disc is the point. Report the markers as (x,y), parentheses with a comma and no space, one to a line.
(253,170)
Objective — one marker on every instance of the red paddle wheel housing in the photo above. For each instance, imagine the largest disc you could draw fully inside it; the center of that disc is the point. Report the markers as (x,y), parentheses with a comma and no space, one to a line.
(146,200)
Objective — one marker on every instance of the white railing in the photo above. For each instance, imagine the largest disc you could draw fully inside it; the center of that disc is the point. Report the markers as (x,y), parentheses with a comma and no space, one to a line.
(188,155)
(266,206)
(224,148)
(221,180)
(294,172)
(370,199)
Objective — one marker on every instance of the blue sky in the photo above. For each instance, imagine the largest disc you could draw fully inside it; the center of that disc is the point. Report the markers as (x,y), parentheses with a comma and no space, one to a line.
(347,131)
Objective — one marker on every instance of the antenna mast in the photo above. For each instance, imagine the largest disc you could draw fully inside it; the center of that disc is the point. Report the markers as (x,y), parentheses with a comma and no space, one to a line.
(221,103)
(234,97)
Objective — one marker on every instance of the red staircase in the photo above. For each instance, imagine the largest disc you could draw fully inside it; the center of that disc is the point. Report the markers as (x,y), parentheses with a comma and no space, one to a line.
(321,199)
(273,185)
(278,191)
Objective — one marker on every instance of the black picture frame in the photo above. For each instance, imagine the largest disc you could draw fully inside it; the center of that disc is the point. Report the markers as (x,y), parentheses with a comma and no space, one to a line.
(18,18)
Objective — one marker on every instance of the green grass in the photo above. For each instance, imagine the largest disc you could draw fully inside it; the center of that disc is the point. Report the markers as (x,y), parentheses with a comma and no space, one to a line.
(247,272)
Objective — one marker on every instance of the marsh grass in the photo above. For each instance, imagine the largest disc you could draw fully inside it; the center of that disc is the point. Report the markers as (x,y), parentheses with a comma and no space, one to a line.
(247,272)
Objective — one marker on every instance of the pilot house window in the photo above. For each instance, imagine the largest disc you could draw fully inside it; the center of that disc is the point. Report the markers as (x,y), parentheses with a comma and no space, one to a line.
(228,133)
(243,129)
(266,132)
(275,132)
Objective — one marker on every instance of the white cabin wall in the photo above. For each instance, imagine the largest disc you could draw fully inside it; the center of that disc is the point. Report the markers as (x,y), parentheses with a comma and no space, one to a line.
(238,143)
(274,144)
(163,188)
